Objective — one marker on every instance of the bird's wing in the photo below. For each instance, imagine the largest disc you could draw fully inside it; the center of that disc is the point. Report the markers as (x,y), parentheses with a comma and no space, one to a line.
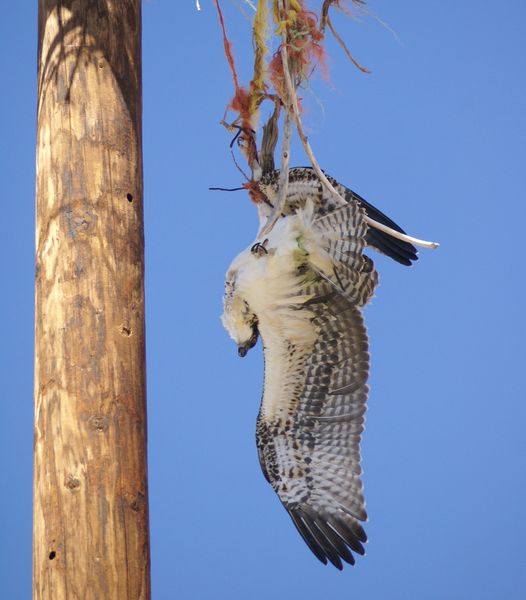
(311,419)
(403,252)
(309,442)
(341,237)
(304,183)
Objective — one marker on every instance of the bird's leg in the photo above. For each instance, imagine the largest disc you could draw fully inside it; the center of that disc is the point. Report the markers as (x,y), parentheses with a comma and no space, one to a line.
(260,248)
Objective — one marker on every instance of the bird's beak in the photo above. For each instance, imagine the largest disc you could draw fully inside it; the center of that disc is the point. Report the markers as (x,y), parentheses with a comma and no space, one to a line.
(242,349)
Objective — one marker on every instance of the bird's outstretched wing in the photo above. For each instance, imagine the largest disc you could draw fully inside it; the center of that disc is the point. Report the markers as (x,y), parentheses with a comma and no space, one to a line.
(309,444)
(304,183)
(311,419)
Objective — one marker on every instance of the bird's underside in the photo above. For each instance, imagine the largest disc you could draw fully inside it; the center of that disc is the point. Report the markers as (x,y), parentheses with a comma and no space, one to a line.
(302,290)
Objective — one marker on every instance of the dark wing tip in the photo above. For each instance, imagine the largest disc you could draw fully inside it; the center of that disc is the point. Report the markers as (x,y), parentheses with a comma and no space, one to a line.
(308,537)
(330,539)
(400,251)
(403,252)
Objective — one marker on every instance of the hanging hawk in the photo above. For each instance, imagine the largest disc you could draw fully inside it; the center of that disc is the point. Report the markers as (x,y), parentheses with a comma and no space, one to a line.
(302,289)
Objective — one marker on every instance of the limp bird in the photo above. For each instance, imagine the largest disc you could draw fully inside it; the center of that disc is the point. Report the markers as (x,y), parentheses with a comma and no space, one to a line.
(302,290)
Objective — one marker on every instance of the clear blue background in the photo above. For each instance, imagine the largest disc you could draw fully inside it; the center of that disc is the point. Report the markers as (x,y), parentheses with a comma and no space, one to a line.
(435,137)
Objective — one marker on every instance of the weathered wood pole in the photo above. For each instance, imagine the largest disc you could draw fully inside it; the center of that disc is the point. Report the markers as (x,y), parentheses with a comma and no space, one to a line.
(90,525)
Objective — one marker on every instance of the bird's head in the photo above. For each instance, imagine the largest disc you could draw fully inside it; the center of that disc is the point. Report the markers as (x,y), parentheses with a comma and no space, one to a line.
(239,320)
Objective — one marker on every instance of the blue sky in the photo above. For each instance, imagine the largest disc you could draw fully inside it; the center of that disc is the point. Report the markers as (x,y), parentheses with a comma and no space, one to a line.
(434,137)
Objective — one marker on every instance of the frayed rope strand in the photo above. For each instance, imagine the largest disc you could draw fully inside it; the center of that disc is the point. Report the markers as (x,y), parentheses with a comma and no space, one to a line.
(257,85)
(228,47)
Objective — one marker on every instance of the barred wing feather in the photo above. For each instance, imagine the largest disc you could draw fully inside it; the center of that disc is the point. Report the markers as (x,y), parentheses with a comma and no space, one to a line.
(308,437)
(312,457)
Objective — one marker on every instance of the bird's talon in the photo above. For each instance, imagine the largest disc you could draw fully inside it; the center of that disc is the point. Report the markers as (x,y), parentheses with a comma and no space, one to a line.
(260,248)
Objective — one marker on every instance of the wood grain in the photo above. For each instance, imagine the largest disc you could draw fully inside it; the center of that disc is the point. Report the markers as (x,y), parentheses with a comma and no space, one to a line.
(90,537)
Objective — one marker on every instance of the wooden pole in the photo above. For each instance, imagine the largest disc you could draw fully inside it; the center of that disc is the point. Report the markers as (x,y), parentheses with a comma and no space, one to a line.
(90,521)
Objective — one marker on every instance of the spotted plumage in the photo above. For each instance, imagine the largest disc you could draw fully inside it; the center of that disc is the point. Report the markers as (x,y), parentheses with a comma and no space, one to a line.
(302,290)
